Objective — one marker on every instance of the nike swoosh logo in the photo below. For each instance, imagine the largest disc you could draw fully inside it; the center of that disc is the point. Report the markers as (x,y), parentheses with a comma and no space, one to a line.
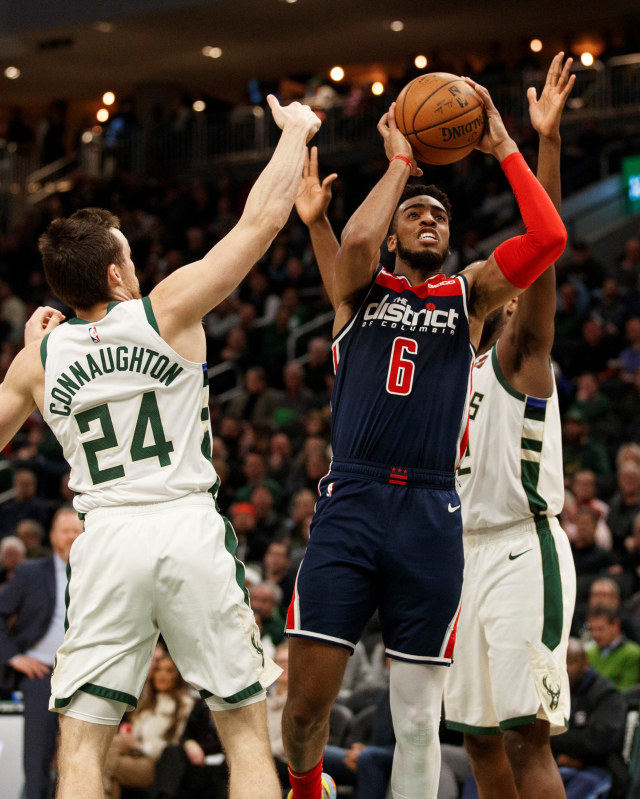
(520,554)
(451,509)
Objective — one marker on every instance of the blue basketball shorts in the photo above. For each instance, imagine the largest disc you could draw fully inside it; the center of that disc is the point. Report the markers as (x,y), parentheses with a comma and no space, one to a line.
(385,538)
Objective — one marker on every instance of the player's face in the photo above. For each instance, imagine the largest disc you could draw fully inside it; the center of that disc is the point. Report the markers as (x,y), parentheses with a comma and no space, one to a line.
(421,236)
(127,268)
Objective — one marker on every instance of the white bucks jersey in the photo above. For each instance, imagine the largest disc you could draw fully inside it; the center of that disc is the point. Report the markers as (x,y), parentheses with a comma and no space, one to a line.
(131,414)
(513,466)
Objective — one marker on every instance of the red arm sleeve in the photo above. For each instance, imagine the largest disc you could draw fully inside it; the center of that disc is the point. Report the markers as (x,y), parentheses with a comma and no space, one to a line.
(524,258)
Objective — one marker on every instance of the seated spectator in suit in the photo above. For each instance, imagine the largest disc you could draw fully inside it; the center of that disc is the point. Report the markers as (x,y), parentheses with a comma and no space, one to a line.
(12,553)
(590,560)
(34,602)
(624,505)
(612,654)
(588,753)
(159,719)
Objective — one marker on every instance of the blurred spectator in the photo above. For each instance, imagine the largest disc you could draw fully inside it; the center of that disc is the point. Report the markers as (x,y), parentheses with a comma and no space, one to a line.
(254,469)
(629,264)
(32,535)
(267,519)
(624,504)
(51,133)
(595,407)
(629,357)
(580,450)
(584,488)
(612,655)
(590,560)
(628,410)
(318,364)
(292,402)
(273,351)
(578,262)
(12,311)
(265,598)
(257,401)
(159,719)
(588,753)
(252,543)
(12,553)
(182,770)
(609,307)
(25,503)
(276,568)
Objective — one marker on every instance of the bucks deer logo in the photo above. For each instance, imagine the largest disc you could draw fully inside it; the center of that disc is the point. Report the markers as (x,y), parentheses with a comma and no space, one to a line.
(554,692)
(257,644)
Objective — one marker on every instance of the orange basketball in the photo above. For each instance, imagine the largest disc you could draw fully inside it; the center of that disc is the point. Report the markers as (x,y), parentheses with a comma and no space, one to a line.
(441,116)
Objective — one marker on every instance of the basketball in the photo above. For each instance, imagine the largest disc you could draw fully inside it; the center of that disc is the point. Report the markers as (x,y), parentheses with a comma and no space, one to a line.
(441,116)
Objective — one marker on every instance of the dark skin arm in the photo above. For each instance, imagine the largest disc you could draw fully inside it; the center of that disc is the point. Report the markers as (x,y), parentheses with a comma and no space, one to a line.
(526,342)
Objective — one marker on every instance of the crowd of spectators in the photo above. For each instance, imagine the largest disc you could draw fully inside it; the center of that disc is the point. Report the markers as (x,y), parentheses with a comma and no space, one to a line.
(270,409)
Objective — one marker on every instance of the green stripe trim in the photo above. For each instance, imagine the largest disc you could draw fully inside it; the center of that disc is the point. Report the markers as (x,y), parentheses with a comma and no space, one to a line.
(519,721)
(66,598)
(204,415)
(530,473)
(534,413)
(531,444)
(104,693)
(469,729)
(252,690)
(553,609)
(151,317)
(43,349)
(78,321)
(501,378)
(231,545)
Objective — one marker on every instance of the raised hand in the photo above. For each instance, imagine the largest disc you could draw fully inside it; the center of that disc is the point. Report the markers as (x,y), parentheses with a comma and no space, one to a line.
(294,113)
(395,143)
(42,321)
(313,197)
(545,112)
(495,139)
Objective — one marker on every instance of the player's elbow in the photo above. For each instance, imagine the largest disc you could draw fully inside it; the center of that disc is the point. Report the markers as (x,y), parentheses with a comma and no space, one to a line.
(556,241)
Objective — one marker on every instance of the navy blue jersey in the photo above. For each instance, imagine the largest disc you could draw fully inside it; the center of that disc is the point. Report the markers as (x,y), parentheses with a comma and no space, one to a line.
(403,375)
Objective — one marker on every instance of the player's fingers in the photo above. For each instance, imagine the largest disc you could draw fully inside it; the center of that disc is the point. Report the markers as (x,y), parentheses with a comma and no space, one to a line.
(555,68)
(313,162)
(326,183)
(532,95)
(305,165)
(383,127)
(565,73)
(567,89)
(391,117)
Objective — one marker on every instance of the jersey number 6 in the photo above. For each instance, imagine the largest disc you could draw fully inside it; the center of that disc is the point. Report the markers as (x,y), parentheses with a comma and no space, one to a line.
(401,369)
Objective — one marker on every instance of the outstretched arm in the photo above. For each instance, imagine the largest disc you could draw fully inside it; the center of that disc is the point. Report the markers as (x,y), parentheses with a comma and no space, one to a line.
(517,262)
(312,201)
(530,331)
(184,297)
(368,226)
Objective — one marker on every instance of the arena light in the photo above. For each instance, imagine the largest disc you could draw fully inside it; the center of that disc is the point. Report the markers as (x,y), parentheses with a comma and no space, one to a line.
(535,45)
(397,25)
(108,98)
(12,73)
(420,61)
(102,115)
(377,88)
(199,106)
(212,52)
(336,73)
(586,59)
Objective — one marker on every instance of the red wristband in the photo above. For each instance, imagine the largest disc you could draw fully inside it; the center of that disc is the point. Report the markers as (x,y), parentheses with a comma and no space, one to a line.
(402,158)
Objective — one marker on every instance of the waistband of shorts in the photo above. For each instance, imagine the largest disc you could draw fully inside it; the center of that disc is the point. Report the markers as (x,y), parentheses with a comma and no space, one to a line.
(394,475)
(139,509)
(476,538)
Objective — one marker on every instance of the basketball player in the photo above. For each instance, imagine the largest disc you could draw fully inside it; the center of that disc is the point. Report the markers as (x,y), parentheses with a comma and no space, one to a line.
(508,689)
(123,387)
(387,530)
